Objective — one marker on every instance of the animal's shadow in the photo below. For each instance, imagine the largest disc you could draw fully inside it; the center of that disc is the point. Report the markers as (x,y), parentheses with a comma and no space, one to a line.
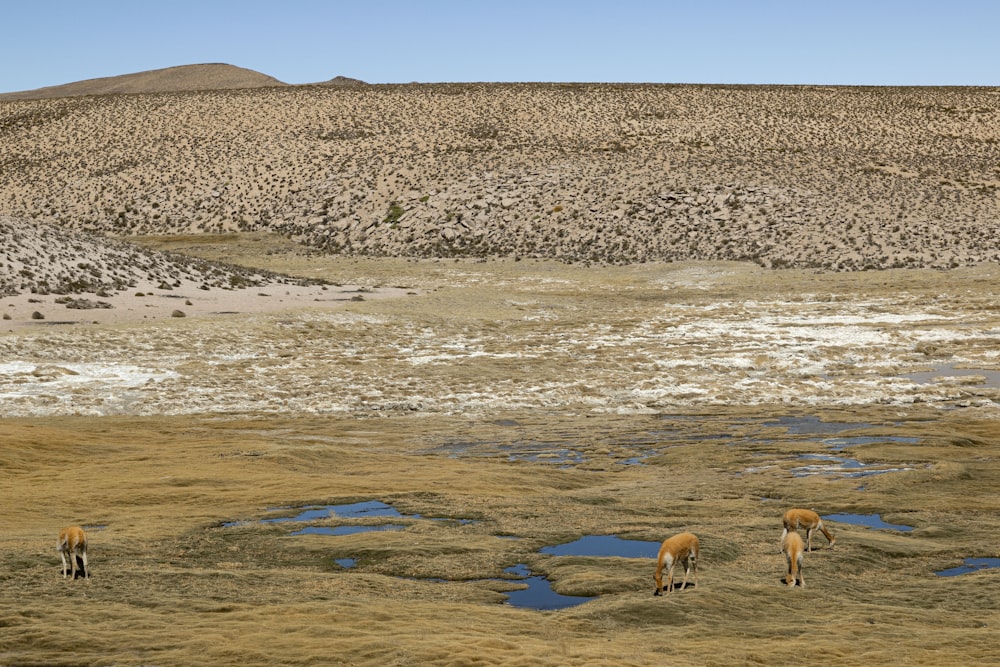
(785,583)
(677,589)
(80,571)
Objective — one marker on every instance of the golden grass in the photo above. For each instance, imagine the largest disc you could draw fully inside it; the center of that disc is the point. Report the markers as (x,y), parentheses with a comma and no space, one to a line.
(171,585)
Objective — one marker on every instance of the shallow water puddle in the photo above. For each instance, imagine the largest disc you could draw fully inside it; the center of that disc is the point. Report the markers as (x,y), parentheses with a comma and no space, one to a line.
(371,508)
(346,530)
(836,465)
(604,545)
(869,520)
(542,454)
(537,452)
(837,444)
(321,512)
(991,378)
(971,565)
(363,510)
(639,460)
(812,425)
(635,447)
(576,448)
(539,594)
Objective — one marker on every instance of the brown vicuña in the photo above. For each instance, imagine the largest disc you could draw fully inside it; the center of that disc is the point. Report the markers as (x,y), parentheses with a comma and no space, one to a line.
(679,548)
(792,546)
(797,518)
(72,542)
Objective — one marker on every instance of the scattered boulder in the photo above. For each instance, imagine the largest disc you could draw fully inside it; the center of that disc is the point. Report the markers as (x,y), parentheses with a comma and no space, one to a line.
(83,304)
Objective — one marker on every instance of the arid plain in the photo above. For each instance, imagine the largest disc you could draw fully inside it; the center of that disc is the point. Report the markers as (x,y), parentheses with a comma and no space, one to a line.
(505,386)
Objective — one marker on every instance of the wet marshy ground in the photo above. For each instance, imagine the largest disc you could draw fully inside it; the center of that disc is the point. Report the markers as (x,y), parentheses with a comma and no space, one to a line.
(248,512)
(537,592)
(666,432)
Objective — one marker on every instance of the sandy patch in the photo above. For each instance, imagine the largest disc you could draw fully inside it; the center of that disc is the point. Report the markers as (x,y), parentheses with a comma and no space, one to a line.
(146,302)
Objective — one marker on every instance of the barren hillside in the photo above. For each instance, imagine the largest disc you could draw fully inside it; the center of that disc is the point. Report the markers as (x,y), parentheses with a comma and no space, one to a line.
(212,76)
(837,178)
(42,259)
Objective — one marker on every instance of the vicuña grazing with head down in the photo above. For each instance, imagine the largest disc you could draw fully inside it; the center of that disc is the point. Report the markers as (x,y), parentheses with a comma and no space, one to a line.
(792,545)
(72,543)
(809,520)
(682,548)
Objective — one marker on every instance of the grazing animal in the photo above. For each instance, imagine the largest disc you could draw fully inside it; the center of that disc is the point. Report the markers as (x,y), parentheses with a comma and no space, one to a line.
(809,520)
(682,548)
(792,545)
(72,544)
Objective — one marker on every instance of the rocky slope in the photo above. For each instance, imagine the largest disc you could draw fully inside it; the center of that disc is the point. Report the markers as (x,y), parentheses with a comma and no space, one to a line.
(826,177)
(40,258)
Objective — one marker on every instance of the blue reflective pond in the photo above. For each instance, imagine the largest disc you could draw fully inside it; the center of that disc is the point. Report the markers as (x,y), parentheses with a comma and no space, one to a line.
(370,508)
(604,545)
(845,467)
(812,425)
(869,520)
(345,530)
(539,593)
(971,565)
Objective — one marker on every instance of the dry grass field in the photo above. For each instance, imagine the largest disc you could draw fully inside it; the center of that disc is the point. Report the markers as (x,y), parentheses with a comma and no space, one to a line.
(511,317)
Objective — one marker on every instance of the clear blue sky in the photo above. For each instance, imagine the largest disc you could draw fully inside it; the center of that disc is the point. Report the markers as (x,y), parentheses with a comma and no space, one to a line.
(850,42)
